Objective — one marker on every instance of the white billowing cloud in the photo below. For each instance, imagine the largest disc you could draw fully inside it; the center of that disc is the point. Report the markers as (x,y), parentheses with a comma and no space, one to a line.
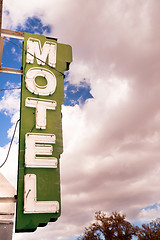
(9,104)
(111,144)
(9,169)
(79,72)
(149,214)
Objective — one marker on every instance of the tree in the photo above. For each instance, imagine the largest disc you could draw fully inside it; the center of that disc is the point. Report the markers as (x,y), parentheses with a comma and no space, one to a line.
(114,227)
(149,231)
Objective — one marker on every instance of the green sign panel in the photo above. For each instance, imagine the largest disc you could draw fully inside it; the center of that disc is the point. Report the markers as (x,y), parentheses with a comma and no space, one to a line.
(42,94)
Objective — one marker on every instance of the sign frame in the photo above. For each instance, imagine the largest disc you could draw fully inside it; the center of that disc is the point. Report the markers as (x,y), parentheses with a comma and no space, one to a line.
(42,94)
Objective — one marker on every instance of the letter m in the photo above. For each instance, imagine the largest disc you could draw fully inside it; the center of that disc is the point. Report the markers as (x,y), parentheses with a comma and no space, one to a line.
(41,53)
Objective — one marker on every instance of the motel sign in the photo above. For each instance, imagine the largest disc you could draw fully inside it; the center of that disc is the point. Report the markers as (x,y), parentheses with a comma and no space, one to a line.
(40,146)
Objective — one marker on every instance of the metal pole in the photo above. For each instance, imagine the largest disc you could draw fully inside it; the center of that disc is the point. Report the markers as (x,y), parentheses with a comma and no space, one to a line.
(1,38)
(1,7)
(6,217)
(6,224)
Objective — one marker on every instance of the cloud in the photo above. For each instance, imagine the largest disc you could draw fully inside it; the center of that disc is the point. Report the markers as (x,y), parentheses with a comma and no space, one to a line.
(9,104)
(9,170)
(111,143)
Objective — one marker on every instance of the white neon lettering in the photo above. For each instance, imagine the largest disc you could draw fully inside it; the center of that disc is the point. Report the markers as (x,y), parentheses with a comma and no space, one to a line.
(31,205)
(34,49)
(38,144)
(41,106)
(33,87)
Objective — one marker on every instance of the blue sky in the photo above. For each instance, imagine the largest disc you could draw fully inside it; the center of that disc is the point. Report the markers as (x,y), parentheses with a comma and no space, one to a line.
(111,114)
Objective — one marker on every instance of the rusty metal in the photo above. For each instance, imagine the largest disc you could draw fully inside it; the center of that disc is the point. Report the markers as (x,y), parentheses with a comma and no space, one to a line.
(1,49)
(1,7)
(12,34)
(11,70)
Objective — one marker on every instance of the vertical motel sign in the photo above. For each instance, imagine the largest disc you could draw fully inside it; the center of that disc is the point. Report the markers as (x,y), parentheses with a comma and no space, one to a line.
(42,94)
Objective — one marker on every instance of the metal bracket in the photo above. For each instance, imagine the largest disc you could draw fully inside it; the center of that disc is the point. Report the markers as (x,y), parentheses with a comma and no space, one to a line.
(12,34)
(11,70)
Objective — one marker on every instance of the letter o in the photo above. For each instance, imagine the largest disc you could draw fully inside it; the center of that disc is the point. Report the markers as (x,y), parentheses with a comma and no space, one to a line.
(33,87)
